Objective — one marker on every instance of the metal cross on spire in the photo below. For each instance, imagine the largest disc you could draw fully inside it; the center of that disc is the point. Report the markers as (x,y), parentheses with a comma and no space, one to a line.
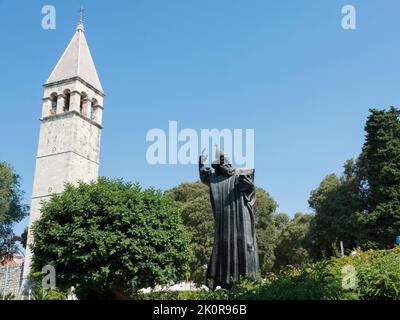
(81,12)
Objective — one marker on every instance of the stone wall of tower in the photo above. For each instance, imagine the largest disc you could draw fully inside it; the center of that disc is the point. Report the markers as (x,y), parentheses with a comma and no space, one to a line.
(68,151)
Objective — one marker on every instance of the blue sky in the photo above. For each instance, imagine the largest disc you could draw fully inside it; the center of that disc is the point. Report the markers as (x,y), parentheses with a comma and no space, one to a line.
(285,68)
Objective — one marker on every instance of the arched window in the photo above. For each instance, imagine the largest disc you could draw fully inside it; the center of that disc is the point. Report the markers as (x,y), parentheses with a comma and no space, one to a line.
(53,99)
(67,100)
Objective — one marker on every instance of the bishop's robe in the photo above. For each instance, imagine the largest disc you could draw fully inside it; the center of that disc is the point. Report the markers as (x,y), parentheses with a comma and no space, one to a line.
(235,251)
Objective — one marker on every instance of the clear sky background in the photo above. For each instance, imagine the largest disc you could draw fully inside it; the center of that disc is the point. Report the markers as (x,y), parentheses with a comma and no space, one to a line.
(285,68)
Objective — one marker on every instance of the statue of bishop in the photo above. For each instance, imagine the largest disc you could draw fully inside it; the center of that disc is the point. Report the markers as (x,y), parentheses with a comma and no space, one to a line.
(233,195)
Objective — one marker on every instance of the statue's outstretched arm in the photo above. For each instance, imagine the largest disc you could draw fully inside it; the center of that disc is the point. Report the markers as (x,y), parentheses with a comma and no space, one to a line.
(204,172)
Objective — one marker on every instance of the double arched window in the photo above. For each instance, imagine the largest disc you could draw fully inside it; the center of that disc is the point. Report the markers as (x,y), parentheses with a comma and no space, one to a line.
(88,108)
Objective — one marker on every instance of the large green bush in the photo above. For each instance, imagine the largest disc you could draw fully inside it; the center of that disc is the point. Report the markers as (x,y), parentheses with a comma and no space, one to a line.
(110,238)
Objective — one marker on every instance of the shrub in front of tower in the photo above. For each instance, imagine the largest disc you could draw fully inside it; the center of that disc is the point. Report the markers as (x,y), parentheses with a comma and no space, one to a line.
(110,238)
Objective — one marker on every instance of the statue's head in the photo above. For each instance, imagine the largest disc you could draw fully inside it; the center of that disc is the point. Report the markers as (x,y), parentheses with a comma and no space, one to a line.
(222,165)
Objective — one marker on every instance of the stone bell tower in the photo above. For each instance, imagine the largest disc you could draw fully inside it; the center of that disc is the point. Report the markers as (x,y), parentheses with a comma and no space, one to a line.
(69,141)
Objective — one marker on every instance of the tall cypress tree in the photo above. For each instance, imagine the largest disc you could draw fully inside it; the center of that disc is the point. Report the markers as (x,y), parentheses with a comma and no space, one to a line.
(379,166)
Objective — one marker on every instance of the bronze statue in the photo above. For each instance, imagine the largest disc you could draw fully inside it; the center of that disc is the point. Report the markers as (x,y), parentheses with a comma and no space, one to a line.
(233,195)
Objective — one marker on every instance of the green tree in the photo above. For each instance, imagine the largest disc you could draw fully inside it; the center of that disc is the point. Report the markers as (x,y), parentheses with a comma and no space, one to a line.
(281,221)
(266,230)
(12,209)
(292,247)
(193,199)
(336,202)
(379,167)
(110,238)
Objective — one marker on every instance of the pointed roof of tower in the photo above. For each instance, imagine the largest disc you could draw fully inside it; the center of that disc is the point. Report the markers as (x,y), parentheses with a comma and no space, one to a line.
(76,61)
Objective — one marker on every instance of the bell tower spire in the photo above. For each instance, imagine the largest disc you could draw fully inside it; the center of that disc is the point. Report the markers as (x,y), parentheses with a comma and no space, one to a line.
(70,129)
(76,62)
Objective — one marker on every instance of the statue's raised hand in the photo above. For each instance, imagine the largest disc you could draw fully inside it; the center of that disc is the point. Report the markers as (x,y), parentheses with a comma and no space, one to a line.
(203,157)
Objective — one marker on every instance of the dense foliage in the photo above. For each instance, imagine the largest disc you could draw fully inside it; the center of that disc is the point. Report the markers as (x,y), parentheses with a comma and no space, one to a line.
(266,230)
(110,238)
(292,244)
(12,209)
(336,203)
(377,277)
(281,220)
(193,201)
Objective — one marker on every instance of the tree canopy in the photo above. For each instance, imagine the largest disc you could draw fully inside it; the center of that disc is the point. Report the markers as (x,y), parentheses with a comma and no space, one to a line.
(281,220)
(266,230)
(292,247)
(193,201)
(12,209)
(110,238)
(336,203)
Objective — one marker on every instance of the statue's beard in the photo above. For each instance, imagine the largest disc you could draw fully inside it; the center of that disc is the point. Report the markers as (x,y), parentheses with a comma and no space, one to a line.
(225,170)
